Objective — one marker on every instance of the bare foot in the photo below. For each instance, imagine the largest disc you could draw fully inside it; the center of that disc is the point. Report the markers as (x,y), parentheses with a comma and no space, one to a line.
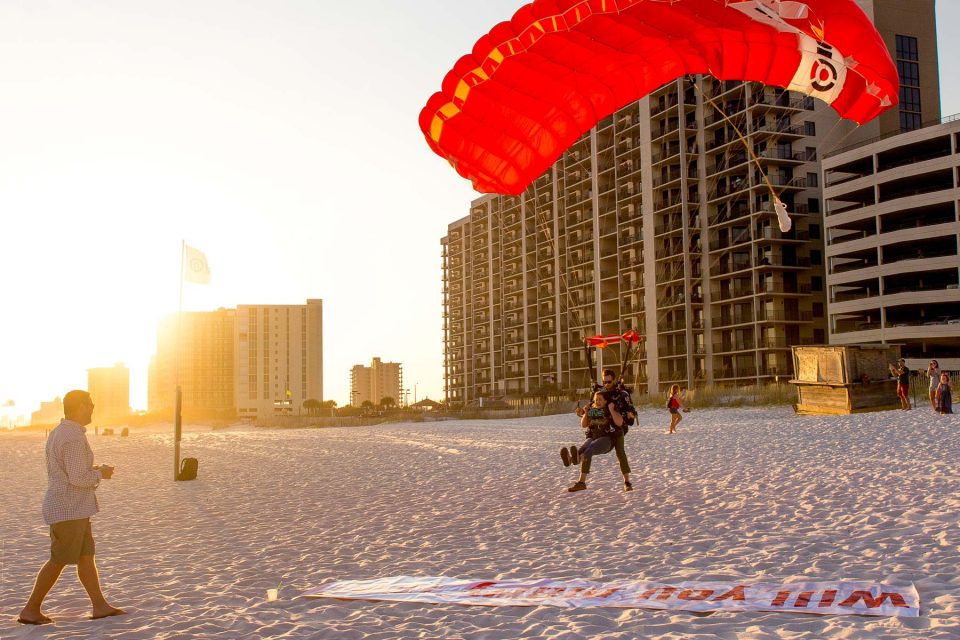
(106,612)
(33,617)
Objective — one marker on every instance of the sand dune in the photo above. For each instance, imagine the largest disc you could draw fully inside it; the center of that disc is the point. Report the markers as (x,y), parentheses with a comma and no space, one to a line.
(736,495)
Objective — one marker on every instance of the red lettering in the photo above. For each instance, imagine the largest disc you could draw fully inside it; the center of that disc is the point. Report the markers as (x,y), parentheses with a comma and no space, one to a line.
(803,599)
(828,598)
(649,593)
(473,79)
(780,599)
(696,595)
(872,603)
(667,592)
(481,585)
(737,594)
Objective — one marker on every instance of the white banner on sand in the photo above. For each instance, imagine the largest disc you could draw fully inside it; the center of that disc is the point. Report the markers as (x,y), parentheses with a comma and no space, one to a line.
(824,598)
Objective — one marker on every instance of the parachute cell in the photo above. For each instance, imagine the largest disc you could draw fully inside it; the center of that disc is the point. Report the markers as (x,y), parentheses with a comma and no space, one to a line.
(535,84)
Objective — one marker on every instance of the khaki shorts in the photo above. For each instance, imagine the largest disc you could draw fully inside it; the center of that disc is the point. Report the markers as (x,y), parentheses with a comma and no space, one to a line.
(71,539)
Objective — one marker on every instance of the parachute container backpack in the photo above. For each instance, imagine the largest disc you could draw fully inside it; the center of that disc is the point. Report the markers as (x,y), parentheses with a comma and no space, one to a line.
(533,85)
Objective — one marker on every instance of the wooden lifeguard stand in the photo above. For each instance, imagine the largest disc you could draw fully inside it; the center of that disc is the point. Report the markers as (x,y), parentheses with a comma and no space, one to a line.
(845,379)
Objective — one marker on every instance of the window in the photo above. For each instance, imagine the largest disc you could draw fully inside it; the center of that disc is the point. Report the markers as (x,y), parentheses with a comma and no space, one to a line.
(814,232)
(907,48)
(816,257)
(909,121)
(817,309)
(813,180)
(809,128)
(909,99)
(813,205)
(909,73)
(816,283)
(811,154)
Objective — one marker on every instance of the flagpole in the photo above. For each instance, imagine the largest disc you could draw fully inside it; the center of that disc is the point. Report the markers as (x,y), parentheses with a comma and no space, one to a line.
(177,419)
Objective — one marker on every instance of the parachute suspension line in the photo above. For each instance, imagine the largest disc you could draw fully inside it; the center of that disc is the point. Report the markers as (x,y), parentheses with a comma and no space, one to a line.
(845,136)
(779,206)
(543,222)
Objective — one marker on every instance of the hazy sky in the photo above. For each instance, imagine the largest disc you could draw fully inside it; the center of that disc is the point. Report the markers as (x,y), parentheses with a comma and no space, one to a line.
(280,137)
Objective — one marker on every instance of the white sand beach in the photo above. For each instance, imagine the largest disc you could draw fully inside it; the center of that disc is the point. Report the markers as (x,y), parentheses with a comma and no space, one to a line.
(755,495)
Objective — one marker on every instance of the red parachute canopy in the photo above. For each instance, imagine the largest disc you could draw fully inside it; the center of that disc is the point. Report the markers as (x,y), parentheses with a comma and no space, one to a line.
(533,85)
(600,342)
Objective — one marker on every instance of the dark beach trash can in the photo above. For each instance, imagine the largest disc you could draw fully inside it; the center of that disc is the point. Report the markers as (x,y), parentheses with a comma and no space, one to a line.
(188,469)
(125,432)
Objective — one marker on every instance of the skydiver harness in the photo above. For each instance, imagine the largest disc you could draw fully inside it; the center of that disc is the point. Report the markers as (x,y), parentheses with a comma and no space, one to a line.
(601,424)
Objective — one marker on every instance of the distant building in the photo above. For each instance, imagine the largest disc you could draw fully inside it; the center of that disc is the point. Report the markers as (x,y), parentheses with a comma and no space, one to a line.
(50,412)
(279,361)
(110,389)
(254,361)
(374,383)
(206,362)
(893,265)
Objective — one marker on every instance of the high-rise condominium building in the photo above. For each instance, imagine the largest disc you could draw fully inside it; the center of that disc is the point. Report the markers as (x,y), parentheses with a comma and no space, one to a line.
(892,254)
(374,383)
(659,220)
(279,351)
(110,389)
(206,364)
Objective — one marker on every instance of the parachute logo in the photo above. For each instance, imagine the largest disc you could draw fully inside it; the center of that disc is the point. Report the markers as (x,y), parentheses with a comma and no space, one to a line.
(822,72)
(823,75)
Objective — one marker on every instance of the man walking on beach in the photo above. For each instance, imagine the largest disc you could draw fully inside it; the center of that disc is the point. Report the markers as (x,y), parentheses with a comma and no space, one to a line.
(72,480)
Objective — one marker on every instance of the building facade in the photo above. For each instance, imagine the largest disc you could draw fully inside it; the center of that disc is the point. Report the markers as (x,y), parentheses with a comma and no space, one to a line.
(50,412)
(110,389)
(206,365)
(892,242)
(255,361)
(279,358)
(658,220)
(374,383)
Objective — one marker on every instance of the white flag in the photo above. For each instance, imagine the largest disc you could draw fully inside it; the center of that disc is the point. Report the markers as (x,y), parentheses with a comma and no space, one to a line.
(195,267)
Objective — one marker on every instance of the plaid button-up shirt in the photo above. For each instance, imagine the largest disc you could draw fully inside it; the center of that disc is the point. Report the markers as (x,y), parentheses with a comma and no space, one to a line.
(71,479)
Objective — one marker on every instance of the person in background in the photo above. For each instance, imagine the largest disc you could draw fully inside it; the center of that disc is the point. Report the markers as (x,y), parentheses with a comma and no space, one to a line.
(674,405)
(902,374)
(933,372)
(72,480)
(944,395)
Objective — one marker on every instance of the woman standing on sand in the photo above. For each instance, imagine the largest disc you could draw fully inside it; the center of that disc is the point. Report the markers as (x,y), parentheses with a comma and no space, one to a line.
(933,371)
(944,395)
(674,405)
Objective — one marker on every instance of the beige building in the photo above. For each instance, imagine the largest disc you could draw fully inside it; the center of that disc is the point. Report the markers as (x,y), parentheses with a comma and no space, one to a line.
(892,232)
(374,383)
(206,365)
(50,412)
(279,358)
(657,220)
(110,389)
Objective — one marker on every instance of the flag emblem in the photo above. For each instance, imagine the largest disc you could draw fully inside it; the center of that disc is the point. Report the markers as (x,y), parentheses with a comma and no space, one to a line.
(195,267)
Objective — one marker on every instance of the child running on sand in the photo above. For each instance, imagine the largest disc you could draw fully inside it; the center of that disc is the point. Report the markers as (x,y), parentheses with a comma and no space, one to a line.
(674,404)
